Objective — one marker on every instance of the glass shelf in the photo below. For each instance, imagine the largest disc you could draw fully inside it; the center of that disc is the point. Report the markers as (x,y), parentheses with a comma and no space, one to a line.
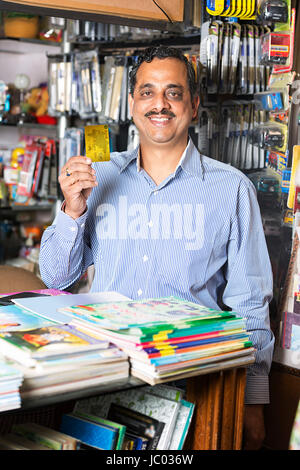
(26,46)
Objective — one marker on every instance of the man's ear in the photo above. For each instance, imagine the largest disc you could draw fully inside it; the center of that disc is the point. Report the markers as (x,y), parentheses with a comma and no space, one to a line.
(195,106)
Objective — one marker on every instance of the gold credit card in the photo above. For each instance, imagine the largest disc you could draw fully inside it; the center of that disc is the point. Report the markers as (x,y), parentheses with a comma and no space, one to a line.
(97,143)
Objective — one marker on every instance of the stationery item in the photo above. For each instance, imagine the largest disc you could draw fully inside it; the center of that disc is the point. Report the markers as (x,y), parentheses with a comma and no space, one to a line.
(97,143)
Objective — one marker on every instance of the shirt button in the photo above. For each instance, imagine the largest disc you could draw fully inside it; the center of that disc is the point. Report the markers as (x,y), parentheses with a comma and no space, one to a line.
(140,292)
(155,193)
(145,258)
(82,225)
(73,229)
(150,224)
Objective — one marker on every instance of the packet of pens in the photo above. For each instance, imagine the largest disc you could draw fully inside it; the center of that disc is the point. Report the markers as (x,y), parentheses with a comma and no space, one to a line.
(230,54)
(87,92)
(59,84)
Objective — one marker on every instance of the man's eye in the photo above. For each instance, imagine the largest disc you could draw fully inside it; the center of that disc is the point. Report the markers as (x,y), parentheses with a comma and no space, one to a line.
(146,93)
(175,94)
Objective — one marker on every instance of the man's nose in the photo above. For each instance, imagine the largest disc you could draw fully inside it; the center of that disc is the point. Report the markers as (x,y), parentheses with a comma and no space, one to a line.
(160,102)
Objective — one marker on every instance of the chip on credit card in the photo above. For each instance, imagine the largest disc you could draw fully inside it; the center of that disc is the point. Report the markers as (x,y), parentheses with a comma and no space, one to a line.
(97,143)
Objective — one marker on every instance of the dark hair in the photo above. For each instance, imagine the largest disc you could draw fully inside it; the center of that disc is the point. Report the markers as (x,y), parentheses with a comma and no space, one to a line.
(163,52)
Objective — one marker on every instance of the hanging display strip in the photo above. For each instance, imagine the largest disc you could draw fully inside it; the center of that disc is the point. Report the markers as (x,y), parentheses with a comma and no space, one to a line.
(163,10)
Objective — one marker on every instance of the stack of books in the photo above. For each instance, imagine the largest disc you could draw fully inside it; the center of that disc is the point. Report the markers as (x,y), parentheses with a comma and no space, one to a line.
(10,382)
(53,357)
(168,337)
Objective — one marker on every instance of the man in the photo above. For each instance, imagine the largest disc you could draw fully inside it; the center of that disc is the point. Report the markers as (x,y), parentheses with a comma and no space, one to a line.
(164,220)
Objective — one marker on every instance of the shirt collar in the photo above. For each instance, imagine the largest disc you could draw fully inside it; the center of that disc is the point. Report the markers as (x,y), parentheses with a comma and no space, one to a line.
(190,161)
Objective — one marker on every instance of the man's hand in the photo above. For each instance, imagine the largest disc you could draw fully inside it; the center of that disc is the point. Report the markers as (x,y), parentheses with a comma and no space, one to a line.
(254,427)
(77,179)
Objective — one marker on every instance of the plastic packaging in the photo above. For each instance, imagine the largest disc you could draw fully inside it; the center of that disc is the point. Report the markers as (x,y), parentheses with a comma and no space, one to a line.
(269,135)
(275,48)
(274,11)
(59,84)
(275,101)
(87,72)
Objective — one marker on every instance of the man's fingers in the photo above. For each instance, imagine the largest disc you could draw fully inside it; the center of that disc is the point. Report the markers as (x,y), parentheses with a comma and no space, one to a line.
(78,186)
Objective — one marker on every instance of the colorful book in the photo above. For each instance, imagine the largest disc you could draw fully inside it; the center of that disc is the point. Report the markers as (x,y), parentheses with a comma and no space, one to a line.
(27,347)
(137,424)
(290,336)
(94,434)
(154,378)
(119,426)
(145,319)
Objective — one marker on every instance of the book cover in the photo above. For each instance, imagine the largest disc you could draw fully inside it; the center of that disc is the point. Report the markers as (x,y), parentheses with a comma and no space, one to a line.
(138,424)
(46,342)
(290,336)
(91,433)
(14,318)
(119,426)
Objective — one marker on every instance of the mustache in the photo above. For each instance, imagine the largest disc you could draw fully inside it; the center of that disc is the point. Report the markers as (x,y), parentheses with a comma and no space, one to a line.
(164,112)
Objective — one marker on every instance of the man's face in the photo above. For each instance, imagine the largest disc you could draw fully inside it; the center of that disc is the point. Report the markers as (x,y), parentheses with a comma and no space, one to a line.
(161,106)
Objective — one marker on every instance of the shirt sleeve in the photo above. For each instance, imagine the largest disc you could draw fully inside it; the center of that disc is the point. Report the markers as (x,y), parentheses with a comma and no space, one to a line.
(249,287)
(64,253)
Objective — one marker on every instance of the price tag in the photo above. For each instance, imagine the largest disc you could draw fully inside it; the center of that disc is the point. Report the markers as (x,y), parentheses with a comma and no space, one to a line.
(97,143)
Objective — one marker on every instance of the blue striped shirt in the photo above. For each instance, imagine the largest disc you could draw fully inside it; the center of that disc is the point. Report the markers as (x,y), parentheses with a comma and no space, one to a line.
(197,235)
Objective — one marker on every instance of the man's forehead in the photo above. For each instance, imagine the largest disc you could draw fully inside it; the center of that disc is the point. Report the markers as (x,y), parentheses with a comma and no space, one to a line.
(161,69)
